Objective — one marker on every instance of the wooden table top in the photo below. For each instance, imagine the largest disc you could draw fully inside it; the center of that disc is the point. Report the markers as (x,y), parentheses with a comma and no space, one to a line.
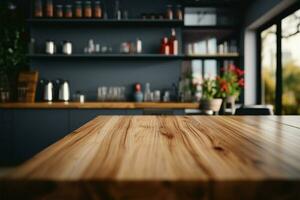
(101,105)
(173,157)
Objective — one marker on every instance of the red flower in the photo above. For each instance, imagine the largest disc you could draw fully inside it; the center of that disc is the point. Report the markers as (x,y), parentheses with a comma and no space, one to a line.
(223,86)
(231,68)
(241,82)
(239,72)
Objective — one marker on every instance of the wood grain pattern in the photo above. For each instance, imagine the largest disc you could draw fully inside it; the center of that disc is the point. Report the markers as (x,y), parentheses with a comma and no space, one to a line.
(100,105)
(166,157)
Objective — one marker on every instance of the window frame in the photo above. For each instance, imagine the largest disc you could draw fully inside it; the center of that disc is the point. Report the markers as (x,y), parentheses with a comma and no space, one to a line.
(279,88)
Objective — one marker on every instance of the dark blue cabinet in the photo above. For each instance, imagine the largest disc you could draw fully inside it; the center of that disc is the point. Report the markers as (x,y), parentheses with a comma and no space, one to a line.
(35,130)
(25,132)
(6,137)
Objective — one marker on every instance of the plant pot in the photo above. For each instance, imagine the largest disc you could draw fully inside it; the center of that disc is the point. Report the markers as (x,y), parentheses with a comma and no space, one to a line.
(231,101)
(211,105)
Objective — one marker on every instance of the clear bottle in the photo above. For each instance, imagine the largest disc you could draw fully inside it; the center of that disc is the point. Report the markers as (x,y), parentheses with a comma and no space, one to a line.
(98,10)
(59,11)
(88,9)
(117,11)
(78,9)
(179,14)
(148,96)
(169,13)
(139,45)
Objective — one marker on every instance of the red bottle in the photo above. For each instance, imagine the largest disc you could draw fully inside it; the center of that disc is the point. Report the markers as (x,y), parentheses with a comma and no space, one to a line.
(165,48)
(173,43)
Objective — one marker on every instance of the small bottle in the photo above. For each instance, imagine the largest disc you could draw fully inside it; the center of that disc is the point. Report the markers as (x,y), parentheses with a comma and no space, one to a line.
(179,14)
(169,13)
(148,96)
(31,47)
(139,47)
(59,11)
(173,43)
(88,9)
(38,8)
(78,9)
(138,95)
(97,10)
(68,11)
(165,48)
(49,8)
(117,11)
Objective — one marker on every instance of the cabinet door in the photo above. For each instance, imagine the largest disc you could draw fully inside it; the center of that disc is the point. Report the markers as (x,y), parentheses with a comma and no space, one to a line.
(35,130)
(79,117)
(6,137)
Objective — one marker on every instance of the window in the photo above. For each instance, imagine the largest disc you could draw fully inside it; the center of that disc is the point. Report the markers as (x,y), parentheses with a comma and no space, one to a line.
(279,64)
(291,64)
(268,64)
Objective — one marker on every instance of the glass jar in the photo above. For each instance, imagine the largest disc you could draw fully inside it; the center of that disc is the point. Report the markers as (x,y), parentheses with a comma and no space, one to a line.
(49,8)
(22,92)
(59,11)
(179,14)
(78,9)
(38,8)
(97,10)
(4,87)
(169,13)
(68,11)
(88,9)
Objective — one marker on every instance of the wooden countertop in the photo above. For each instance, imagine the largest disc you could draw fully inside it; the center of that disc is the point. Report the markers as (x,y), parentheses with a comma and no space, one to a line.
(99,105)
(166,157)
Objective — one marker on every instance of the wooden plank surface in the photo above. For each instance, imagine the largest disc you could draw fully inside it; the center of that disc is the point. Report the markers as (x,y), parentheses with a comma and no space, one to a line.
(100,105)
(166,157)
(288,120)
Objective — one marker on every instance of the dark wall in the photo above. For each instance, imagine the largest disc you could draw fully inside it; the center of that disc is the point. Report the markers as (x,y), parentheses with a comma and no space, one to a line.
(87,74)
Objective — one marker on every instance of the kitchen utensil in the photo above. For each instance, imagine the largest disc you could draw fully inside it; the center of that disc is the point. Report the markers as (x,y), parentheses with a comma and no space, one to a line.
(79,97)
(67,47)
(156,97)
(64,92)
(50,47)
(48,91)
(166,97)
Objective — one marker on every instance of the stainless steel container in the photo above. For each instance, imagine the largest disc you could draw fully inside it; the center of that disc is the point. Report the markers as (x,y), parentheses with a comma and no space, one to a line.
(64,92)
(48,92)
(67,48)
(50,47)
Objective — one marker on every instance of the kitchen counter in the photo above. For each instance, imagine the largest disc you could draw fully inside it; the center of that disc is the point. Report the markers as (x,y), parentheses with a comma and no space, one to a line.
(166,157)
(99,105)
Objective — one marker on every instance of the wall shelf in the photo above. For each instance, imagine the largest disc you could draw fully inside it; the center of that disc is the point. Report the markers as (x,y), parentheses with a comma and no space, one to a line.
(107,56)
(136,56)
(210,28)
(107,22)
(213,56)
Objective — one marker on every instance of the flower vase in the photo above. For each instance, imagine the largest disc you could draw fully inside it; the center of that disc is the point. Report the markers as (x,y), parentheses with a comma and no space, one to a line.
(213,105)
(230,100)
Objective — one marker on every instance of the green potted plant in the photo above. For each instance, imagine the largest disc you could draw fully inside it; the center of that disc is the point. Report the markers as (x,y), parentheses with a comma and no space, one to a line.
(13,48)
(230,84)
(211,97)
